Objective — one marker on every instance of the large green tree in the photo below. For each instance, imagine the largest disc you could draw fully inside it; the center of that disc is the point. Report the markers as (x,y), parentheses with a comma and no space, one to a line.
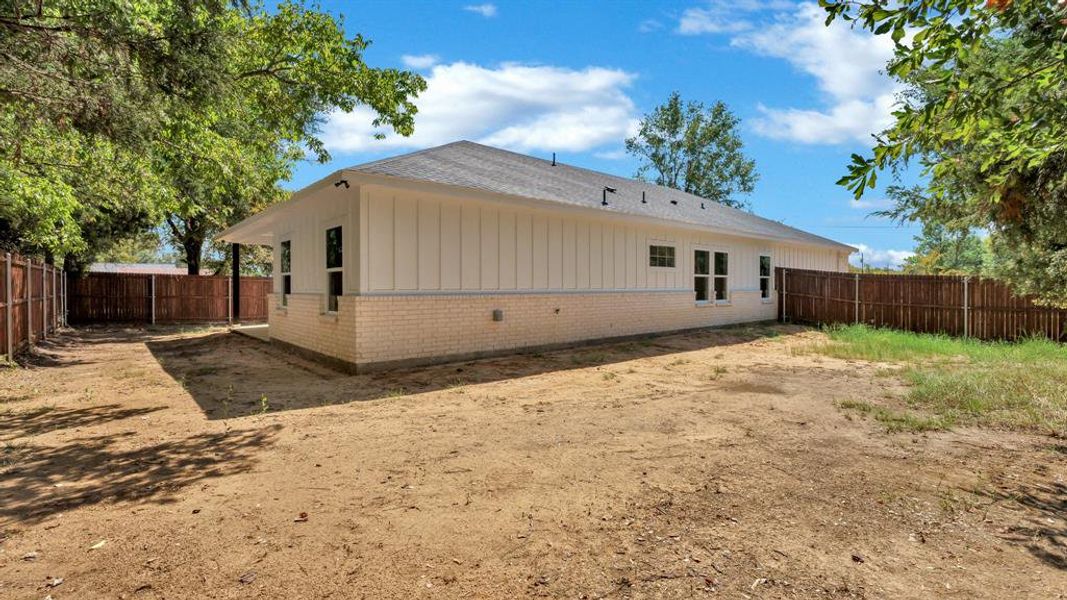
(985,115)
(691,147)
(940,250)
(116,115)
(286,69)
(84,87)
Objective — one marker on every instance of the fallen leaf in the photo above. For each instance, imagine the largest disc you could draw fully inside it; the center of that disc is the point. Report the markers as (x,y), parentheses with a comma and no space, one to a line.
(247,578)
(30,556)
(54,582)
(302,518)
(98,545)
(856,557)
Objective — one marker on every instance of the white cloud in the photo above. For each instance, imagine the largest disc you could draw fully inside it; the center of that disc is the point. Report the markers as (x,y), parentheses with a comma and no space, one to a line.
(712,19)
(871,204)
(878,258)
(722,16)
(847,65)
(419,61)
(845,121)
(487,10)
(649,25)
(522,107)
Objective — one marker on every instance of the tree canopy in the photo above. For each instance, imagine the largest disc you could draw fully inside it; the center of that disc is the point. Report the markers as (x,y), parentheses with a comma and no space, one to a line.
(985,115)
(690,147)
(120,115)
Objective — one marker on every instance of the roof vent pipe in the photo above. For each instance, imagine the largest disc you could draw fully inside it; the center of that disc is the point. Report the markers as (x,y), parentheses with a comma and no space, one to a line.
(553,159)
(607,189)
(643,201)
(674,202)
(701,205)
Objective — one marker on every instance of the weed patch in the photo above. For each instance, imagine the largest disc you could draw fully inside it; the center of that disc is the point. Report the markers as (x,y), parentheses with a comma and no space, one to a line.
(1020,385)
(895,420)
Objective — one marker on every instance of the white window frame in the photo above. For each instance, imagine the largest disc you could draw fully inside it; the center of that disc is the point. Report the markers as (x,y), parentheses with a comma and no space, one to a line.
(284,273)
(662,244)
(724,276)
(769,277)
(328,270)
(706,276)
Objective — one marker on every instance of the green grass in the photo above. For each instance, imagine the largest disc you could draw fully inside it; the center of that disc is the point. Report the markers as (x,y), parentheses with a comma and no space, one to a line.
(1020,385)
(896,420)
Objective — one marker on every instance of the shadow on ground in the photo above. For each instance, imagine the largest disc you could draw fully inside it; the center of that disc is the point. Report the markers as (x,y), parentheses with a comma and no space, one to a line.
(230,375)
(1043,532)
(37,482)
(43,419)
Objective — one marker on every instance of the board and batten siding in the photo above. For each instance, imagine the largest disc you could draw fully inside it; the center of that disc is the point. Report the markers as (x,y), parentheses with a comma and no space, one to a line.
(306,232)
(417,242)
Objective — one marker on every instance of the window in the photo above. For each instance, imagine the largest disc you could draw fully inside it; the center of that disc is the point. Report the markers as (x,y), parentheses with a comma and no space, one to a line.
(334,268)
(287,278)
(765,277)
(661,256)
(721,267)
(701,271)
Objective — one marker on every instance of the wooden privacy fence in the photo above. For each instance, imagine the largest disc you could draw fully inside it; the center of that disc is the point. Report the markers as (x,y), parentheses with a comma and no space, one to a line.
(32,302)
(949,304)
(141,298)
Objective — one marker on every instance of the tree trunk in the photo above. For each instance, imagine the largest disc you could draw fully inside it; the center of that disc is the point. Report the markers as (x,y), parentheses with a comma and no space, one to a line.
(193,249)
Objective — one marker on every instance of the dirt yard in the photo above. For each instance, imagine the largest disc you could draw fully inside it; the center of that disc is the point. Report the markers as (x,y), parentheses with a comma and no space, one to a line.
(203,464)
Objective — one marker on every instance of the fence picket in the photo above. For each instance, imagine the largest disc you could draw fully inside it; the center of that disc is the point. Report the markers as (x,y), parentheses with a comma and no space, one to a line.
(136,298)
(954,305)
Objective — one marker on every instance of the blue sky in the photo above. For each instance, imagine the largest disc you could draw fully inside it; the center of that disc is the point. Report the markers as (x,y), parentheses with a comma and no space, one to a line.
(574,77)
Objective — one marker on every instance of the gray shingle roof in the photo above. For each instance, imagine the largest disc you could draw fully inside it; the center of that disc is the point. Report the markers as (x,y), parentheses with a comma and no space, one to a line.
(470,165)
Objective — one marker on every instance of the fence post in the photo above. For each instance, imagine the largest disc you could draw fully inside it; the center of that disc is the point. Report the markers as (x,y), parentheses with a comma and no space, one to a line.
(152,296)
(29,300)
(55,301)
(229,301)
(44,301)
(785,292)
(857,303)
(8,308)
(966,307)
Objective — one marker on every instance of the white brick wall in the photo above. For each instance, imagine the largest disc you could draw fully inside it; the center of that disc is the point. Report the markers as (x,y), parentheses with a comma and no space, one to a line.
(376,329)
(302,324)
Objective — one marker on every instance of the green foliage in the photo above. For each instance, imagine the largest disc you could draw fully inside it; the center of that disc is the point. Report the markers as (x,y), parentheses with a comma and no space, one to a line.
(690,147)
(288,68)
(116,115)
(943,250)
(896,421)
(143,247)
(986,115)
(1020,385)
(83,88)
(256,261)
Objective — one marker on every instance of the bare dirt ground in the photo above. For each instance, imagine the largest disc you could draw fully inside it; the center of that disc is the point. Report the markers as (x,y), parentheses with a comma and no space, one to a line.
(202,464)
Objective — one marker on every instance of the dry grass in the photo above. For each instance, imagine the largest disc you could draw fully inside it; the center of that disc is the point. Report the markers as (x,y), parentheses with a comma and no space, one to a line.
(953,381)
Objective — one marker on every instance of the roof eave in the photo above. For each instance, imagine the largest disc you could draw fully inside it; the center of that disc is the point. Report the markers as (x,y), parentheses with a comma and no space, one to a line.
(256,230)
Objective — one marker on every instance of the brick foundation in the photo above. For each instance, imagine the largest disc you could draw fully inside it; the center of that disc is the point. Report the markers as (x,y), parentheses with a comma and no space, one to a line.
(374,332)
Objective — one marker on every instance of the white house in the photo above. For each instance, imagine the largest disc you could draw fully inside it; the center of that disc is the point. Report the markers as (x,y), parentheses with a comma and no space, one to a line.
(465,250)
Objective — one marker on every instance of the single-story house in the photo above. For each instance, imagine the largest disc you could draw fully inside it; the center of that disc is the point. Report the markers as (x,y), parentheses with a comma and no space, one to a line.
(465,250)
